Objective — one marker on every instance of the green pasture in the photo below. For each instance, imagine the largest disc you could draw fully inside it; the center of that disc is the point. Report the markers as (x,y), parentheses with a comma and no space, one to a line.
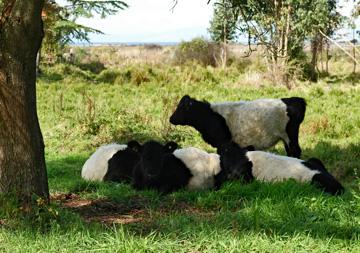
(79,112)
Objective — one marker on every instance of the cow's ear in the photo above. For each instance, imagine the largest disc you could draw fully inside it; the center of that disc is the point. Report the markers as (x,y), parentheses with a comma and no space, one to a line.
(170,146)
(187,101)
(185,98)
(250,148)
(135,146)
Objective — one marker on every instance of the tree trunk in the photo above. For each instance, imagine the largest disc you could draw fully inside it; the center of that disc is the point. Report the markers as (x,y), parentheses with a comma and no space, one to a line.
(354,51)
(314,57)
(224,46)
(321,54)
(22,162)
(327,57)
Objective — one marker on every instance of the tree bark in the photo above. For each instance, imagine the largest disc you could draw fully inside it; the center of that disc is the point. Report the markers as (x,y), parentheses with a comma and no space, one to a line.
(22,161)
(354,51)
(224,46)
(314,57)
(327,57)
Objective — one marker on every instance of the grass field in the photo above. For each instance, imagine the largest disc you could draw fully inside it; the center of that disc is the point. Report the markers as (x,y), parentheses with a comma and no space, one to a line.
(79,111)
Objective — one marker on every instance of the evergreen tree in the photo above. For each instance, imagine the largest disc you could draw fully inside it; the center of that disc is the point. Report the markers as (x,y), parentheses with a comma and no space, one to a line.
(223,24)
(60,24)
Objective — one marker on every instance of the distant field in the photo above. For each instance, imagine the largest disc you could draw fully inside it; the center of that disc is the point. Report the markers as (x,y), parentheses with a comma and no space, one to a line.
(80,110)
(120,55)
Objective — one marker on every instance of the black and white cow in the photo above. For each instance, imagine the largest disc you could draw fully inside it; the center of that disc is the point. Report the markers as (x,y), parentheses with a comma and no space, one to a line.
(260,123)
(112,162)
(237,162)
(166,168)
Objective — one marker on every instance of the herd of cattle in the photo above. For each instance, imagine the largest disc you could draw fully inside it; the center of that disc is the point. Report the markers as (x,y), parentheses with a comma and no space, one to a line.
(238,130)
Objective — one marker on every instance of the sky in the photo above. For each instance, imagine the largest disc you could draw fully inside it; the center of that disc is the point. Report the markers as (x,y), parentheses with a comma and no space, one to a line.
(156,21)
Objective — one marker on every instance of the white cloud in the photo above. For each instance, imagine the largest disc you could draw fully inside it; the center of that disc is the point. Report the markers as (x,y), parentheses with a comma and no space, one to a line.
(150,20)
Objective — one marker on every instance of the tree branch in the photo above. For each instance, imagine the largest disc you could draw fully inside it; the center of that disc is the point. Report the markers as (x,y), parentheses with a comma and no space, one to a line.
(339,46)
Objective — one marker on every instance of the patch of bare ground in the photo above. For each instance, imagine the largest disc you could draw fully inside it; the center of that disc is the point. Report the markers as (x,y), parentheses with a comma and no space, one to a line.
(103,210)
(135,210)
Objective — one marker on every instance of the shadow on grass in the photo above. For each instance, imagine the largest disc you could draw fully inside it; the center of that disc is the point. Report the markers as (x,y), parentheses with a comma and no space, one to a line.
(64,172)
(281,209)
(353,78)
(51,77)
(342,162)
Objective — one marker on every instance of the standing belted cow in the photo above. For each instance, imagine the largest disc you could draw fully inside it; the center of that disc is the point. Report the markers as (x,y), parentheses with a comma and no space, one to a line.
(259,123)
